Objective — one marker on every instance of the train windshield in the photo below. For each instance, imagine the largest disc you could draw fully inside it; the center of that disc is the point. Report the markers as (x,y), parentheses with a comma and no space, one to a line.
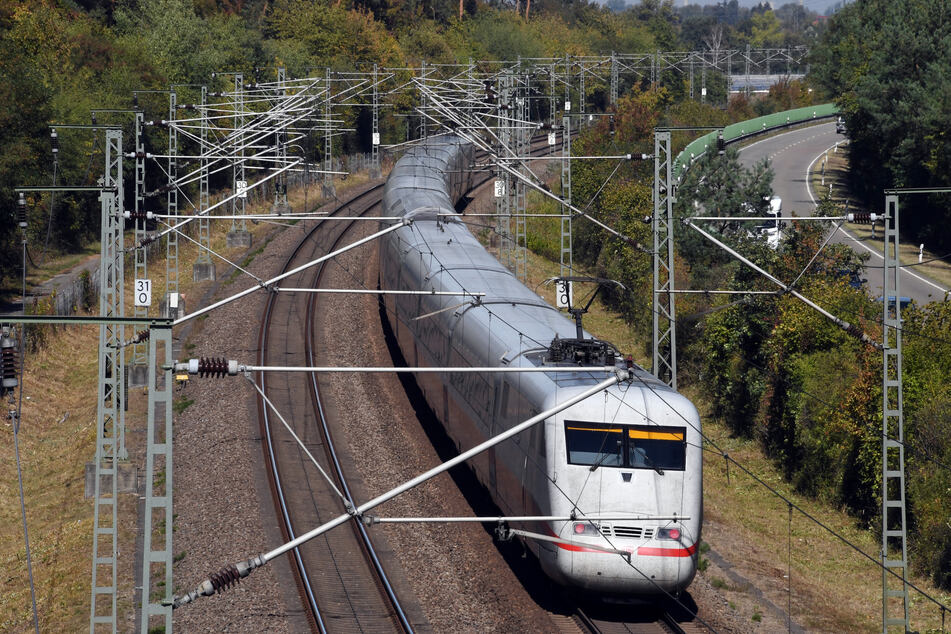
(626,446)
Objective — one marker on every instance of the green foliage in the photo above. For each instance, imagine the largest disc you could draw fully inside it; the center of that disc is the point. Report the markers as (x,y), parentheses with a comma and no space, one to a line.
(181,404)
(888,64)
(334,35)
(929,478)
(765,30)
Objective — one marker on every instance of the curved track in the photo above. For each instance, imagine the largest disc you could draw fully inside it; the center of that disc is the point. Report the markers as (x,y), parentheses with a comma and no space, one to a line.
(339,576)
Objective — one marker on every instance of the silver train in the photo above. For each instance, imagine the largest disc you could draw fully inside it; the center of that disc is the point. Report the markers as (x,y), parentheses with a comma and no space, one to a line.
(629,456)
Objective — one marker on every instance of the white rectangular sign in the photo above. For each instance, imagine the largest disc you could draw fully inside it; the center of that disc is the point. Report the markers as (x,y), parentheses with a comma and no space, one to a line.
(376,138)
(563,294)
(551,138)
(703,92)
(567,106)
(499,188)
(143,292)
(241,188)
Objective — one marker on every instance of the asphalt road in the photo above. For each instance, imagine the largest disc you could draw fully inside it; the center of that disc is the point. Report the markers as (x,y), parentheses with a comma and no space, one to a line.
(792,155)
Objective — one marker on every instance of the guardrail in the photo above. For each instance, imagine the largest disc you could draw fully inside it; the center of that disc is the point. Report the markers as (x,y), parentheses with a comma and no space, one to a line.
(749,128)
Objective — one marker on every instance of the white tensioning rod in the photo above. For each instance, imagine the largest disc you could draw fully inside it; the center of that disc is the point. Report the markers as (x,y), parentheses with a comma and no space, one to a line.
(231,574)
(526,518)
(195,366)
(841,323)
(369,291)
(281,217)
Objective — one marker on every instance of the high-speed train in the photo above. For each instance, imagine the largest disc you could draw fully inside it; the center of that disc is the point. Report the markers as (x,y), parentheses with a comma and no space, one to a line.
(624,466)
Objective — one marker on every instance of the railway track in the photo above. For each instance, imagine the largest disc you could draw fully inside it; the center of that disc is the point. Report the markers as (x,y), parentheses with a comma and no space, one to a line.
(339,576)
(644,619)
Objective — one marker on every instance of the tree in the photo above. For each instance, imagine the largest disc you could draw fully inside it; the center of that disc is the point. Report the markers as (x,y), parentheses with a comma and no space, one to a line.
(766,30)
(888,65)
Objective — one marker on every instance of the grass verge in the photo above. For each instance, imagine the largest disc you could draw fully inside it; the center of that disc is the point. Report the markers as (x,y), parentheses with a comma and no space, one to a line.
(58,437)
(833,182)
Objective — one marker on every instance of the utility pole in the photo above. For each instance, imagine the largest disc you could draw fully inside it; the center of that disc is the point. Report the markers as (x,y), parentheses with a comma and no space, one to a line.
(172,305)
(664,337)
(110,397)
(239,236)
(567,265)
(328,189)
(204,268)
(894,533)
(503,183)
(375,171)
(138,373)
(281,205)
(522,148)
(157,551)
(614,79)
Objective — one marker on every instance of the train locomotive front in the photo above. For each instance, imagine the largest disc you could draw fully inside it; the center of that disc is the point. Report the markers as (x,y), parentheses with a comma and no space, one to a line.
(624,464)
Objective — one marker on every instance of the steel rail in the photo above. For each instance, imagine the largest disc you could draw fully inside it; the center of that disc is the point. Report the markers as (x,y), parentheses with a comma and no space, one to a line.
(307,592)
(365,540)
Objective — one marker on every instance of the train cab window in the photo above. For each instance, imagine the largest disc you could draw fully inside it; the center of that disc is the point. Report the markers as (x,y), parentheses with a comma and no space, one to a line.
(656,447)
(626,446)
(595,444)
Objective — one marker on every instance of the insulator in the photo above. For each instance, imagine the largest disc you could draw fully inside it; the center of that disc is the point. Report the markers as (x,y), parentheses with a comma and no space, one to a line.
(860,217)
(611,124)
(721,144)
(225,578)
(94,118)
(135,100)
(213,366)
(855,331)
(21,211)
(137,215)
(54,140)
(142,335)
(8,361)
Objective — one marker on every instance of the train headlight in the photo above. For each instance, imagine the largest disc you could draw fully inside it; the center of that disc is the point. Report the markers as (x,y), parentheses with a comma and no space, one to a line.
(586,528)
(672,534)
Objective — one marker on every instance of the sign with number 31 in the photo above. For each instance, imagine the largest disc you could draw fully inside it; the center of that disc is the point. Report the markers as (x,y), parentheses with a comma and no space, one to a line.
(143,292)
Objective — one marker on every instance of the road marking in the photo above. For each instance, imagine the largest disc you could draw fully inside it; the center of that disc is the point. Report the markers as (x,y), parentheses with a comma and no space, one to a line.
(854,238)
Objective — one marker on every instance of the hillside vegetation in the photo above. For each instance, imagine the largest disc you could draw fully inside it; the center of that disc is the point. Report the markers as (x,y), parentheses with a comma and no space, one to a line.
(60,60)
(774,370)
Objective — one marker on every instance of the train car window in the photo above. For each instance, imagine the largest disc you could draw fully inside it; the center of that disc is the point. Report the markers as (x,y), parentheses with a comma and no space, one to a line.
(594,444)
(657,447)
(626,446)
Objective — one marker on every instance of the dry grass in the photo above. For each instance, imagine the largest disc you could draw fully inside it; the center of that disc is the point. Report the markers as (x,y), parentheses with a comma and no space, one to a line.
(834,588)
(58,437)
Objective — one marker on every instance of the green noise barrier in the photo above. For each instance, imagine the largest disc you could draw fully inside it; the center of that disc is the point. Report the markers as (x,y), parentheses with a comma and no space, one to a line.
(751,127)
